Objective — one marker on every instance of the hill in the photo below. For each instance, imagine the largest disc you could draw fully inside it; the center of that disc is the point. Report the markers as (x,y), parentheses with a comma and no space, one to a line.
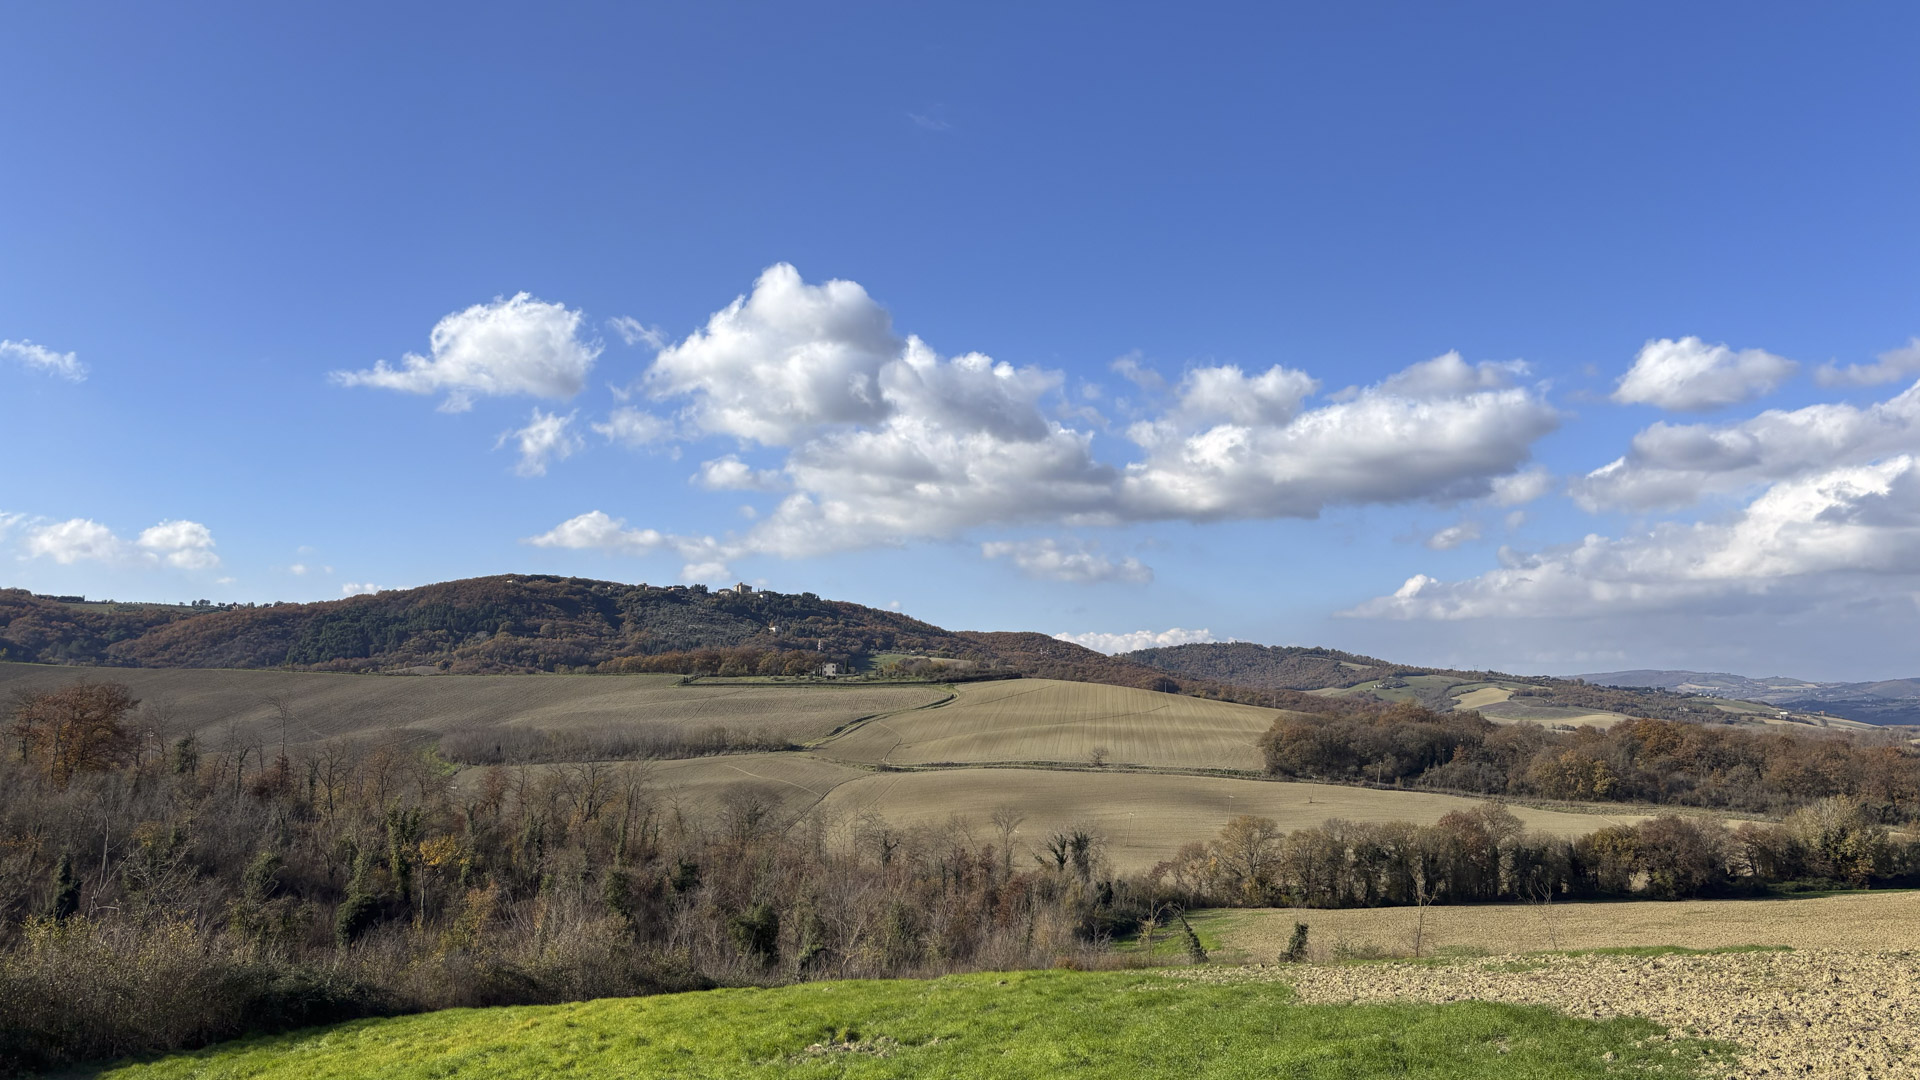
(1885,701)
(513,623)
(1565,703)
(1270,667)
(529,623)
(506,623)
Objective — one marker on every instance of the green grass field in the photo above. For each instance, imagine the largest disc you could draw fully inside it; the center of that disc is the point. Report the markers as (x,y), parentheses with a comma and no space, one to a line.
(1118,1025)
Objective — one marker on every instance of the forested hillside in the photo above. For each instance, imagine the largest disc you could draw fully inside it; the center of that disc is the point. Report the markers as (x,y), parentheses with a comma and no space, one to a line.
(528,623)
(1268,667)
(495,624)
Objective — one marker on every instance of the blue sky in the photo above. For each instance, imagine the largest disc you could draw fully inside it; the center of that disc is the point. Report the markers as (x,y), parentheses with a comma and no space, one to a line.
(1136,325)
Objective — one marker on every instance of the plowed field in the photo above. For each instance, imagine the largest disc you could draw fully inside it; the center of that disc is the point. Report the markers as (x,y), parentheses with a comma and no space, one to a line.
(1143,817)
(1030,720)
(1881,919)
(321,706)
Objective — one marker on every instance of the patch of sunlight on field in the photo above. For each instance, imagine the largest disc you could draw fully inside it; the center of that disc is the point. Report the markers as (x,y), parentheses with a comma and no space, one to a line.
(1486,695)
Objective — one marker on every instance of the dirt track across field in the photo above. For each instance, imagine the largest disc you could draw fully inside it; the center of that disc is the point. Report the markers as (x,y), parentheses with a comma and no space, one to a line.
(1825,1014)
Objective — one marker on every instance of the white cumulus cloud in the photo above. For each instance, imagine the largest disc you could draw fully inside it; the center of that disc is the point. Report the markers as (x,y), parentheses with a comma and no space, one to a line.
(599,531)
(886,441)
(76,540)
(512,346)
(596,530)
(1052,560)
(1689,375)
(185,544)
(548,437)
(776,364)
(1138,639)
(40,358)
(359,588)
(729,473)
(1853,530)
(1890,366)
(1670,465)
(1405,439)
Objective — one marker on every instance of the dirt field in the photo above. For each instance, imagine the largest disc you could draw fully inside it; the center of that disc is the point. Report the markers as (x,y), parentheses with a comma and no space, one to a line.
(323,706)
(700,786)
(1146,817)
(1826,1014)
(1477,699)
(1025,720)
(1889,920)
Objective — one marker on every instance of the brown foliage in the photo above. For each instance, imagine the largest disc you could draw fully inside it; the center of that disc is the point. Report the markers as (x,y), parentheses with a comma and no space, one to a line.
(80,728)
(1649,761)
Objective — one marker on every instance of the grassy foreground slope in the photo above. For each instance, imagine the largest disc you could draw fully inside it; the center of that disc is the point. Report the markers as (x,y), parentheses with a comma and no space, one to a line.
(1032,1024)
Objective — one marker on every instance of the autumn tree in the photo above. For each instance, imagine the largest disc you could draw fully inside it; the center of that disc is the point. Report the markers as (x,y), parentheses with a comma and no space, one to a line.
(78,728)
(1249,852)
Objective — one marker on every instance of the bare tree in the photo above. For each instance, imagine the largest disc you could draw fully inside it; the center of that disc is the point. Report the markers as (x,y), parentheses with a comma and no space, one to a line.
(1006,819)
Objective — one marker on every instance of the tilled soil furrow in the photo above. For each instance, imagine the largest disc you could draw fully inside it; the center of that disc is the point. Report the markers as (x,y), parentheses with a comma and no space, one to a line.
(1824,1013)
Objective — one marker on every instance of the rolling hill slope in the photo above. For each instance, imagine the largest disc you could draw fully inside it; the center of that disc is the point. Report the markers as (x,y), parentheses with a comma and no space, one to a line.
(1568,703)
(1046,720)
(521,623)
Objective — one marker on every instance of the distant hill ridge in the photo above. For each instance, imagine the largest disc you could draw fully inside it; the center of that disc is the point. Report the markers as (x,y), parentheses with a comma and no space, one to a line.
(521,623)
(1274,667)
(1884,701)
(1356,679)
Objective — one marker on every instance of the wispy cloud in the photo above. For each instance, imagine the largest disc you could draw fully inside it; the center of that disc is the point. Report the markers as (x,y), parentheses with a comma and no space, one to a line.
(40,358)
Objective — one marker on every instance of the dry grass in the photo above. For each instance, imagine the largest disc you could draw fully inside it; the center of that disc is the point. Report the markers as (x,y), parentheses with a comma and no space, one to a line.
(1146,817)
(1889,920)
(1827,1014)
(1029,720)
(222,704)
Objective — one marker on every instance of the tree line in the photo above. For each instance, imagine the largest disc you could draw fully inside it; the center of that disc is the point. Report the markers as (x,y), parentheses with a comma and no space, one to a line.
(1641,761)
(1486,855)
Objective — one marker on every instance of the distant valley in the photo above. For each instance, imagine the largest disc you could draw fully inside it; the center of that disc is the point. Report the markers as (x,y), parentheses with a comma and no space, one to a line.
(1889,701)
